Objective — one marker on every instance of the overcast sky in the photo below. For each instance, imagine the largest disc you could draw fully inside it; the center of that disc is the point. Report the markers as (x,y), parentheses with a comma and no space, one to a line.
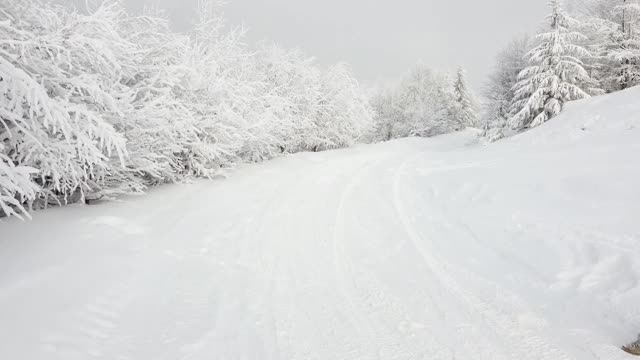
(381,39)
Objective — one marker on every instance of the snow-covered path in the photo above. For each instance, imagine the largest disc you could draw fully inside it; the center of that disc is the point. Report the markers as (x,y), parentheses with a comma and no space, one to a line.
(413,249)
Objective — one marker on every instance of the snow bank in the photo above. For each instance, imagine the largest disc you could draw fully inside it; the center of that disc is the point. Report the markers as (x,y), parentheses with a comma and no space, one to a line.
(608,118)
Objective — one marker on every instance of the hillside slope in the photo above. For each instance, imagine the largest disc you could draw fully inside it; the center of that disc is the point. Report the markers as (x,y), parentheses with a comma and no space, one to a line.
(413,249)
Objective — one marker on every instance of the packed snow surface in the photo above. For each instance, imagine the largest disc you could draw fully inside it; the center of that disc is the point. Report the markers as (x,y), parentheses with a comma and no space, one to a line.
(438,248)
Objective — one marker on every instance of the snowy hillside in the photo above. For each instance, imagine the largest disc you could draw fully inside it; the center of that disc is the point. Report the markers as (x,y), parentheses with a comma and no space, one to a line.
(434,249)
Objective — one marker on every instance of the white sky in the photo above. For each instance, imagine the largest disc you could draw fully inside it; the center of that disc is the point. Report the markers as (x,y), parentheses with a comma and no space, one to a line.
(380,39)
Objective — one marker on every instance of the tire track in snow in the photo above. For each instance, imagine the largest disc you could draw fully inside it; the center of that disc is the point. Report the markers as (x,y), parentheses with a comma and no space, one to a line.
(85,331)
(368,293)
(362,321)
(531,345)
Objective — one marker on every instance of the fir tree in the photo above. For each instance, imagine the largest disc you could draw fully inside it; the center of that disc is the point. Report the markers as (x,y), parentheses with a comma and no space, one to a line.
(555,76)
(465,99)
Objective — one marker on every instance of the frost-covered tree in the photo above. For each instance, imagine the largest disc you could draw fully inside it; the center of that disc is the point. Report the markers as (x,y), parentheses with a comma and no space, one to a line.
(613,36)
(423,104)
(465,99)
(57,69)
(16,187)
(555,74)
(308,108)
(627,51)
(387,113)
(99,103)
(499,90)
(344,114)
(219,96)
(291,91)
(163,139)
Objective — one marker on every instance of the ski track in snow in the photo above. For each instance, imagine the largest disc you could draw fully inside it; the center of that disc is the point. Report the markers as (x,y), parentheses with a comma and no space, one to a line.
(413,249)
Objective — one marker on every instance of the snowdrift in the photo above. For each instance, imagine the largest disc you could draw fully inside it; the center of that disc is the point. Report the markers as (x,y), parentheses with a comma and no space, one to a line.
(609,118)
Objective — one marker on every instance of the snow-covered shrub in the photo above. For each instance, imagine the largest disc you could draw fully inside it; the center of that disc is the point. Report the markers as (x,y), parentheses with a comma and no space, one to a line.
(57,69)
(16,187)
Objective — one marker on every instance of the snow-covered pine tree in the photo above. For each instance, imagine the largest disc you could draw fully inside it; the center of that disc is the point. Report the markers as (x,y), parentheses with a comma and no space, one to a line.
(555,76)
(465,99)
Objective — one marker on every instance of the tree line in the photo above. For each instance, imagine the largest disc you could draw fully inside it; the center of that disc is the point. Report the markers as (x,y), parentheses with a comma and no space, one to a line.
(425,103)
(99,103)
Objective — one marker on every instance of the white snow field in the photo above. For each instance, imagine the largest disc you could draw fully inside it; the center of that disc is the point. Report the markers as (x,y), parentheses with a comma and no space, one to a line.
(436,248)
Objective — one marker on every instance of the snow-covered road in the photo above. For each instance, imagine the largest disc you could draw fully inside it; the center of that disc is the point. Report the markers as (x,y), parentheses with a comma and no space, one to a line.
(413,249)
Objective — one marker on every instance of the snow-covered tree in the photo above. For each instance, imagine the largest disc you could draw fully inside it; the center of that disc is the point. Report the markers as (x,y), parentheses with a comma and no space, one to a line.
(16,187)
(220,98)
(613,36)
(556,73)
(627,51)
(417,96)
(98,103)
(163,140)
(344,113)
(466,100)
(57,69)
(386,113)
(291,91)
(499,89)
(423,104)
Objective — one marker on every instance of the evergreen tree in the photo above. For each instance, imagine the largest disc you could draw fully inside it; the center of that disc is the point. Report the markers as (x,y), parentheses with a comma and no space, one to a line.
(556,73)
(465,99)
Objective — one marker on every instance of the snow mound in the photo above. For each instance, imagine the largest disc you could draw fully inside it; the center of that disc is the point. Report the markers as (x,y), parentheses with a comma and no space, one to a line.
(606,119)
